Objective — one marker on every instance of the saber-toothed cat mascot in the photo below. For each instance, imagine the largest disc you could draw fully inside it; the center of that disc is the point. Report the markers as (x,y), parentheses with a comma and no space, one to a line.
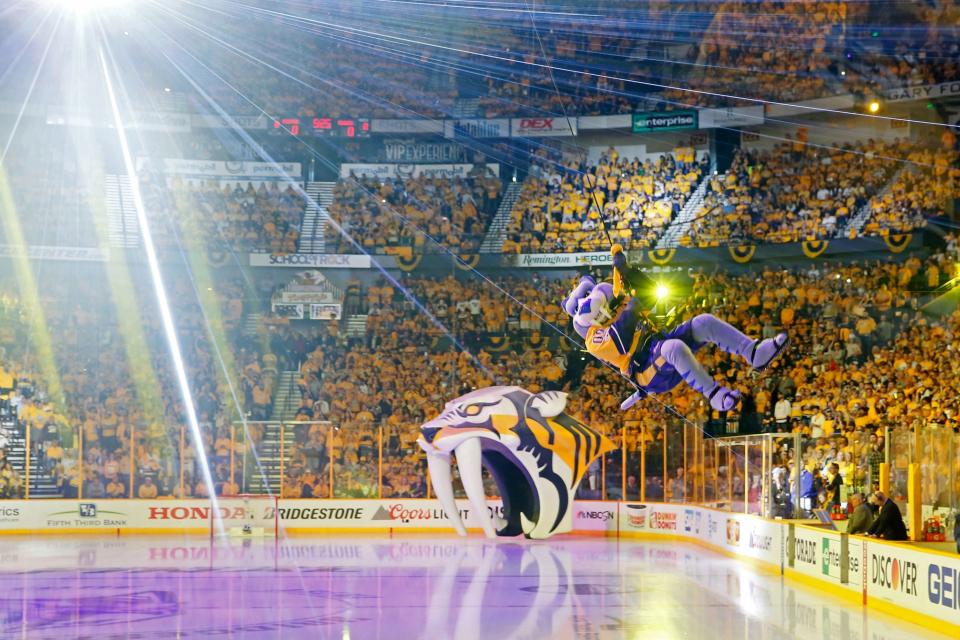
(536,453)
(615,330)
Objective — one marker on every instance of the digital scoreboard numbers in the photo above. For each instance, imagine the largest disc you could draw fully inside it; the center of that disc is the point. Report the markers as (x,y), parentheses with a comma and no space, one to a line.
(334,127)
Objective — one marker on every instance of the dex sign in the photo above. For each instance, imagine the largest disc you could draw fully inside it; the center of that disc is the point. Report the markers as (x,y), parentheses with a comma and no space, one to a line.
(542,127)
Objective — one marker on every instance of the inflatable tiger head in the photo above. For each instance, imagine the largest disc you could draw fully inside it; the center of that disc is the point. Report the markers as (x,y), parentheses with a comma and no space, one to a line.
(536,453)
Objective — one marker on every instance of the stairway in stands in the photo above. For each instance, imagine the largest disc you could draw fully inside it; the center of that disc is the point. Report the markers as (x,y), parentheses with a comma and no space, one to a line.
(252,323)
(266,478)
(860,218)
(123,230)
(679,227)
(286,399)
(313,230)
(497,233)
(41,483)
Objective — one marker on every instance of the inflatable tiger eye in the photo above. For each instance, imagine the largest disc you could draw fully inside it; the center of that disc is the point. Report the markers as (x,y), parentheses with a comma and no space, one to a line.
(536,453)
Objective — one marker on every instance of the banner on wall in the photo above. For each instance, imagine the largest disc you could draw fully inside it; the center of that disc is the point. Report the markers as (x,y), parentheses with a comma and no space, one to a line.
(731,117)
(543,127)
(215,121)
(235,169)
(664,120)
(478,128)
(924,92)
(407,125)
(315,260)
(415,151)
(604,122)
(169,121)
(387,171)
(42,252)
(560,260)
(308,297)
(159,121)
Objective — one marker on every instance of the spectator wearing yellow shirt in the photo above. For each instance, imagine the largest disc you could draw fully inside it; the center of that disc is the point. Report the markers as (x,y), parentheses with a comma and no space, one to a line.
(148,489)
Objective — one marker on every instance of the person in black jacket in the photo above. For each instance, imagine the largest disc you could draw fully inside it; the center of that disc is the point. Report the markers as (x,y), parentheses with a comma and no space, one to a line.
(889,523)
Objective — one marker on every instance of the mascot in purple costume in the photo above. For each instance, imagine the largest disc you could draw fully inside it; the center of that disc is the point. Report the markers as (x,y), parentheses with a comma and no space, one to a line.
(616,331)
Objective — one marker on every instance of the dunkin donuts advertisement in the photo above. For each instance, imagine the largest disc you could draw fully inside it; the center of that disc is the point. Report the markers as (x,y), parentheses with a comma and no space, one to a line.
(658,518)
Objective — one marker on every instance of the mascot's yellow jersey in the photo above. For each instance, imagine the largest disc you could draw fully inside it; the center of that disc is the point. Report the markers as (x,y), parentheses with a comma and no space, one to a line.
(608,344)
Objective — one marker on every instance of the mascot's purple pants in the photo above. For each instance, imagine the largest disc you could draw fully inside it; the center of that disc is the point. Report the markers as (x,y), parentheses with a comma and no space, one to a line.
(677,348)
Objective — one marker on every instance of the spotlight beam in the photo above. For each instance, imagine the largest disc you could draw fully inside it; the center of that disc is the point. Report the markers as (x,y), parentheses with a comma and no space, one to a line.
(307,198)
(166,314)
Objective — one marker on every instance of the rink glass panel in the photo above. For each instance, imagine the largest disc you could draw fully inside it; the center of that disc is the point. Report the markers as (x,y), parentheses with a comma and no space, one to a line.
(612,466)
(669,461)
(740,470)
(902,452)
(937,452)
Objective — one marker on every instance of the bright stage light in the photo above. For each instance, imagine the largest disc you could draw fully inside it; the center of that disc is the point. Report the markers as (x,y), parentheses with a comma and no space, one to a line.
(662,291)
(874,106)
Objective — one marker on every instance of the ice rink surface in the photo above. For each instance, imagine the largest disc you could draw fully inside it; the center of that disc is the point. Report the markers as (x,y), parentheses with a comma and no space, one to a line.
(411,587)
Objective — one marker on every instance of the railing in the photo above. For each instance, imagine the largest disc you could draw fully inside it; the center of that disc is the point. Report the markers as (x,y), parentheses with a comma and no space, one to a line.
(672,462)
